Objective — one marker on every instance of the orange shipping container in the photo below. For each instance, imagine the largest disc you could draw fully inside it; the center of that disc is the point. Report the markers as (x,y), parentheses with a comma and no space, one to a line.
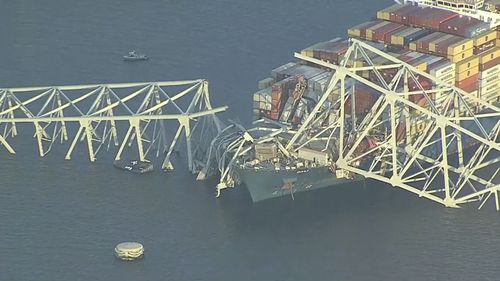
(467,81)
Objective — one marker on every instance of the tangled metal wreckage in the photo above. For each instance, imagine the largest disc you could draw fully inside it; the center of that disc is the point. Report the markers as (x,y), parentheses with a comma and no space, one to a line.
(444,147)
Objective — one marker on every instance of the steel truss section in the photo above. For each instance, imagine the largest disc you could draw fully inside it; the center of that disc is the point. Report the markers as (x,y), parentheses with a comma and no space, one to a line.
(232,146)
(436,141)
(99,112)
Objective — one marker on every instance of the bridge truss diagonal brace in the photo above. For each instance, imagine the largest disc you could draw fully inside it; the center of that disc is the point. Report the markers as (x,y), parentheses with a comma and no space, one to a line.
(443,121)
(99,112)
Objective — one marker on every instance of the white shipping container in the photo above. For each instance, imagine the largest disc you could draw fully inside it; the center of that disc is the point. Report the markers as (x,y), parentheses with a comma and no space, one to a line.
(312,94)
(443,69)
(490,97)
(469,101)
(494,79)
(256,96)
(320,157)
(447,77)
(265,105)
(489,91)
(287,110)
(274,72)
(301,108)
(307,71)
(320,82)
(489,72)
(263,95)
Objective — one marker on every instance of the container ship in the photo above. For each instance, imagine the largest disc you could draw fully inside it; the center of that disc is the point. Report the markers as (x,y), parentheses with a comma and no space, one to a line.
(435,37)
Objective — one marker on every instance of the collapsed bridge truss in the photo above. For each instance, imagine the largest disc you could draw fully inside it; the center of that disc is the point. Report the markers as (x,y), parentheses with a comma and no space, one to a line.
(431,139)
(97,114)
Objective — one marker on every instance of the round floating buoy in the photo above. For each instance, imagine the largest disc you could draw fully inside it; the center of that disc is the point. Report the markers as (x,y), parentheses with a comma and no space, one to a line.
(129,251)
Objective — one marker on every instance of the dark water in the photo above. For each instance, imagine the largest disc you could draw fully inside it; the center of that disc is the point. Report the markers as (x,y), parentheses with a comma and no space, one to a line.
(59,220)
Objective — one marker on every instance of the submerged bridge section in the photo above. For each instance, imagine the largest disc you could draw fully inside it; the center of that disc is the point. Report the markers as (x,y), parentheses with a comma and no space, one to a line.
(151,116)
(431,139)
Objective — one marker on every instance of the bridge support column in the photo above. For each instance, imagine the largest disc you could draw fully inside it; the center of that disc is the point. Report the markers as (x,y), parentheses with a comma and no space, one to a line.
(124,142)
(136,124)
(167,165)
(89,132)
(187,133)
(73,143)
(39,136)
(7,146)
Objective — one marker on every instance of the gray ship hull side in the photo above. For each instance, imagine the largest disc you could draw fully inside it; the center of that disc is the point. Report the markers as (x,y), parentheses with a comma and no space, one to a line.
(266,184)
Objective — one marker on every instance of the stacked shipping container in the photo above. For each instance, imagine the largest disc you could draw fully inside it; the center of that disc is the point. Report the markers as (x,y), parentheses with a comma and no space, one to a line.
(489,75)
(457,38)
(455,49)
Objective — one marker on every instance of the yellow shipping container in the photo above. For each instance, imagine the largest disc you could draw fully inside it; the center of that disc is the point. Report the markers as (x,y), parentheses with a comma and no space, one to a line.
(398,38)
(484,38)
(307,53)
(489,55)
(369,31)
(467,64)
(354,32)
(460,47)
(385,14)
(466,74)
(413,46)
(419,64)
(461,56)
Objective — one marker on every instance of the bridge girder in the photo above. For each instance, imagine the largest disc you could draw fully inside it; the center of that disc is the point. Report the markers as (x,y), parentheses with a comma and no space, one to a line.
(417,139)
(99,112)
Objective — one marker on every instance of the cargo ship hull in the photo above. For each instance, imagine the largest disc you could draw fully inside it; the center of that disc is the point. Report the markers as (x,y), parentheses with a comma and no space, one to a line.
(266,184)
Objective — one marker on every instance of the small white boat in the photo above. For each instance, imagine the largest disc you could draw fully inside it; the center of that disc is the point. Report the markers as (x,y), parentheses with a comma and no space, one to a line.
(133,56)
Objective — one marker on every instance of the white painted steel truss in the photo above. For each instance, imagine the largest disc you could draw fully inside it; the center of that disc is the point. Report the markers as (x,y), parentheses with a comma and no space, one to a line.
(414,137)
(431,139)
(98,113)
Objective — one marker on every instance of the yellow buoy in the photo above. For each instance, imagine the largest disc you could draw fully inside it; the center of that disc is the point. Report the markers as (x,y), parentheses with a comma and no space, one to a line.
(129,251)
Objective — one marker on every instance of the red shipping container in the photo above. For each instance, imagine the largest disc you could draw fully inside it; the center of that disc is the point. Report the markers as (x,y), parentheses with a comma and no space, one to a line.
(401,15)
(470,88)
(442,47)
(464,26)
(425,83)
(364,26)
(274,115)
(379,34)
(387,75)
(468,82)
(430,18)
(490,64)
(423,43)
(485,47)
(365,97)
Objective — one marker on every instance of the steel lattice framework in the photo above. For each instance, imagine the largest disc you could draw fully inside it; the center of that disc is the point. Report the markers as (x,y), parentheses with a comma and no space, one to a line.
(436,141)
(440,143)
(100,112)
